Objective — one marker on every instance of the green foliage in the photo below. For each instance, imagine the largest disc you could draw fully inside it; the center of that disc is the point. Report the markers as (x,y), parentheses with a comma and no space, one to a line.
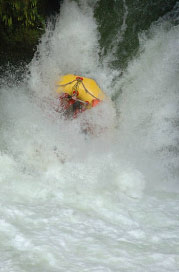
(14,13)
(21,25)
(22,22)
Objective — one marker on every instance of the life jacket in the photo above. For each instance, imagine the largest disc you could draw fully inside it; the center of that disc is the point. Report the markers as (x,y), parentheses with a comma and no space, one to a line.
(67,103)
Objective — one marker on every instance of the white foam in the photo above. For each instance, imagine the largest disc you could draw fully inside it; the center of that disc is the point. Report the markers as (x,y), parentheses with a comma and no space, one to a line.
(75,201)
(149,104)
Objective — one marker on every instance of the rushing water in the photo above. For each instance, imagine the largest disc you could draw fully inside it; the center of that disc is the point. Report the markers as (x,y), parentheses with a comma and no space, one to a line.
(105,202)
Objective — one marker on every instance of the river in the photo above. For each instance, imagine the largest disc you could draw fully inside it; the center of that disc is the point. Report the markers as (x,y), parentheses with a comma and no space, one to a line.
(108,202)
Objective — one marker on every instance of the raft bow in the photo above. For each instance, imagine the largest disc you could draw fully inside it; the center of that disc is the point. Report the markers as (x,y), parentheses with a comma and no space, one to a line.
(84,90)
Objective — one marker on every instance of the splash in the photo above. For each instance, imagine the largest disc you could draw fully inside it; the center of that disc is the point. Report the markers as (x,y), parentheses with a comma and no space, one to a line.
(69,199)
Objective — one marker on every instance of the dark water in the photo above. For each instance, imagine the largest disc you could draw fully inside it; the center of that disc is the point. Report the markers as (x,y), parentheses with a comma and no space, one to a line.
(121,22)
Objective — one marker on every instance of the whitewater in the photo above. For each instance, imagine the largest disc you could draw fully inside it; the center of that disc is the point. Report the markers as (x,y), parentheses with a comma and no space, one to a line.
(108,202)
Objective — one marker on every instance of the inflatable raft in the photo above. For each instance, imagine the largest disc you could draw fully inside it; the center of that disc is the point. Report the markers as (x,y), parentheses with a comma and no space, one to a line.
(76,94)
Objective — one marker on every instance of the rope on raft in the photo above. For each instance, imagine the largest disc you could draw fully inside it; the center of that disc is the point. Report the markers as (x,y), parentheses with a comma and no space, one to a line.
(79,79)
(63,85)
(89,91)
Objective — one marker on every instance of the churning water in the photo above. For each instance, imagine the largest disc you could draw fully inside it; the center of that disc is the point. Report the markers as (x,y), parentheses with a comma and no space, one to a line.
(104,202)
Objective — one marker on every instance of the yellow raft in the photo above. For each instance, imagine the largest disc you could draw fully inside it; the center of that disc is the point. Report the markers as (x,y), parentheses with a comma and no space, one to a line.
(86,89)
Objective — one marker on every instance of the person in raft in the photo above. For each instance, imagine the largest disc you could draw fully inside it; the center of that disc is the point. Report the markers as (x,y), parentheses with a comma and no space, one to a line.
(71,106)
